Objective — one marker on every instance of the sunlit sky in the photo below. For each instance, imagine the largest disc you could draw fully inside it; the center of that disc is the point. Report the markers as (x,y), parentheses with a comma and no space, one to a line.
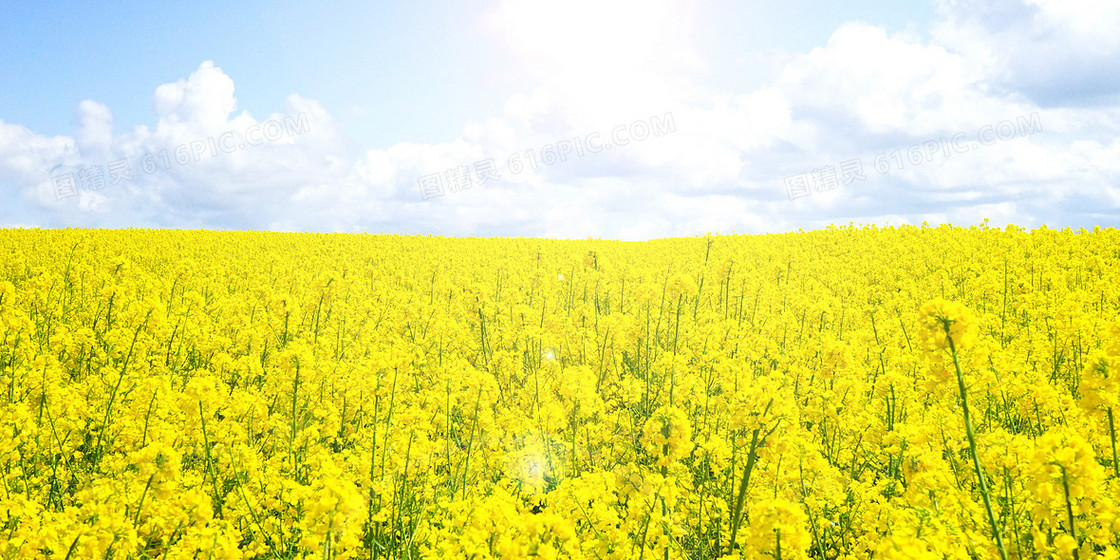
(606,118)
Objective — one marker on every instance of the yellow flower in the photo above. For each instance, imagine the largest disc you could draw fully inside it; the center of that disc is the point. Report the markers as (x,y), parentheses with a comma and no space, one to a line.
(779,524)
(1100,382)
(667,435)
(943,321)
(200,394)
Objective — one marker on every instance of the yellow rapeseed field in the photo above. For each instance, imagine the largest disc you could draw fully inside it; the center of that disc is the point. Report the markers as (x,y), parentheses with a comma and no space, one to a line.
(910,392)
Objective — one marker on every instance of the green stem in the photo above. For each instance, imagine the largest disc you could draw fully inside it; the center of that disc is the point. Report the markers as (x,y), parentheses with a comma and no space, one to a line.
(972,446)
(752,458)
(1069,510)
(736,515)
(210,463)
(1112,434)
(140,505)
(253,514)
(292,434)
(73,547)
(116,389)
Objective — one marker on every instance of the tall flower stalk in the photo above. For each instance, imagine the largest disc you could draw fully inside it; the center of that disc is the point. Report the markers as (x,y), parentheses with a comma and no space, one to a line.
(947,325)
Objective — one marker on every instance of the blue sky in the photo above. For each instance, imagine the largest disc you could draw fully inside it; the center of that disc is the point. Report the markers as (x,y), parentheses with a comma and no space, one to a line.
(384,114)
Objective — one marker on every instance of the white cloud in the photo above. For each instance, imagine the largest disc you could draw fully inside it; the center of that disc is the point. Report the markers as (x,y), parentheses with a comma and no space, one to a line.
(96,132)
(868,94)
(1054,52)
(204,100)
(24,154)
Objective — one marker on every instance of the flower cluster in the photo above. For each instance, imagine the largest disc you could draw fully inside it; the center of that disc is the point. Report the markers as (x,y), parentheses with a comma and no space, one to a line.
(945,323)
(850,393)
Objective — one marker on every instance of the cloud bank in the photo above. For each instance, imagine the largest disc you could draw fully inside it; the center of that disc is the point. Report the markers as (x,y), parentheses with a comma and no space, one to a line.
(1008,110)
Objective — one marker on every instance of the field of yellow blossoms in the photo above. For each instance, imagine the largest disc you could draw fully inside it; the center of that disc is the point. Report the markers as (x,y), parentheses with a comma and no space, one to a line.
(857,392)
